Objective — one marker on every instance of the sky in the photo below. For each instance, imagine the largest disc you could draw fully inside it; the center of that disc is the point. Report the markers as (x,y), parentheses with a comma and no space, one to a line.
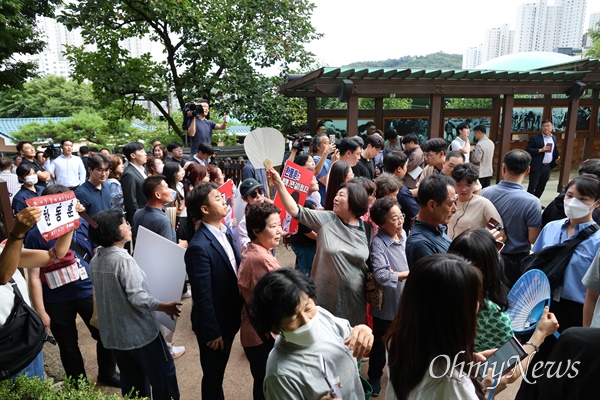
(373,30)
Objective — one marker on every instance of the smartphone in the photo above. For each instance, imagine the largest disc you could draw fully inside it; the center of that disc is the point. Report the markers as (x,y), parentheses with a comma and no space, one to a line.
(503,359)
(494,224)
(551,145)
(334,384)
(332,139)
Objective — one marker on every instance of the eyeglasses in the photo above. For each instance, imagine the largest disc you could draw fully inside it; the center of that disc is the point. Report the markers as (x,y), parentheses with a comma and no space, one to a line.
(257,192)
(106,171)
(429,154)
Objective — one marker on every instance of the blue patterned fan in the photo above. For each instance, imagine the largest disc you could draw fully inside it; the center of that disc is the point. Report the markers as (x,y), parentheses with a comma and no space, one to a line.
(527,299)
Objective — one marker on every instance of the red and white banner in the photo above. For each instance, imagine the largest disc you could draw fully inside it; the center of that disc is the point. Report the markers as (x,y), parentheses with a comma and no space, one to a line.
(226,191)
(59,215)
(297,181)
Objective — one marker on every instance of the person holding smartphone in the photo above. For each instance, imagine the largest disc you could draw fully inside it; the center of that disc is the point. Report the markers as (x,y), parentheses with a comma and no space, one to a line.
(434,331)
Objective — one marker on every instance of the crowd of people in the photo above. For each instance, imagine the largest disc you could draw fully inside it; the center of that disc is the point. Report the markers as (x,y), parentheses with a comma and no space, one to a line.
(421,221)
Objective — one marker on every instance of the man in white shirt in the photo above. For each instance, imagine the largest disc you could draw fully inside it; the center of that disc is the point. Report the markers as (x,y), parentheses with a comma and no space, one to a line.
(12,182)
(461,143)
(67,168)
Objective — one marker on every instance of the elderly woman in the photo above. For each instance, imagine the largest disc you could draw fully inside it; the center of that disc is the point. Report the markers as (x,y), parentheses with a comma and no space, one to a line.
(264,230)
(340,264)
(472,210)
(284,303)
(390,270)
(126,312)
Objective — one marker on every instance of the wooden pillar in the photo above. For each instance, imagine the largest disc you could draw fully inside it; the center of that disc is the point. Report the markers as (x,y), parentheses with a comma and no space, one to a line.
(379,113)
(6,211)
(435,116)
(568,145)
(588,148)
(506,126)
(311,114)
(495,123)
(352,115)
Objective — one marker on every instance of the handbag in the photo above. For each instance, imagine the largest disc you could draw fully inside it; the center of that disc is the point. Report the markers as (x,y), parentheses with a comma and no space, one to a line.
(553,260)
(21,338)
(373,290)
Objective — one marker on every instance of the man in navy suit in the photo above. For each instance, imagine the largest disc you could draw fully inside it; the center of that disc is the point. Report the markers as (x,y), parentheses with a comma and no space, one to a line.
(544,155)
(133,178)
(212,260)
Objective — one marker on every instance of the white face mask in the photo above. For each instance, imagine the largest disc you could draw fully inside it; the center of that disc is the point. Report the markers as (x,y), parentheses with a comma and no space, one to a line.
(31,179)
(575,208)
(306,335)
(160,168)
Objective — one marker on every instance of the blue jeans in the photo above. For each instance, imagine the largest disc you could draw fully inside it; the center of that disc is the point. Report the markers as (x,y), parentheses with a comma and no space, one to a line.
(35,368)
(305,257)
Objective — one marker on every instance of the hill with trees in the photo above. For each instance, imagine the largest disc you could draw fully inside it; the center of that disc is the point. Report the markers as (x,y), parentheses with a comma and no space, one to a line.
(439,60)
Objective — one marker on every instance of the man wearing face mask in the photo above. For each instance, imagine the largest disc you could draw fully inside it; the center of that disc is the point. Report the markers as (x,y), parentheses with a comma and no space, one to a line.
(582,197)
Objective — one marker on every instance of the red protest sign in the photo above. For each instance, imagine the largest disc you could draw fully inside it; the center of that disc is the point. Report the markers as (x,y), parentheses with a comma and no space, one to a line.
(226,190)
(297,181)
(59,215)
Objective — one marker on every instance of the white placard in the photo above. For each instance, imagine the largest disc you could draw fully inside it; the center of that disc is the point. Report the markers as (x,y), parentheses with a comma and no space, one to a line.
(162,261)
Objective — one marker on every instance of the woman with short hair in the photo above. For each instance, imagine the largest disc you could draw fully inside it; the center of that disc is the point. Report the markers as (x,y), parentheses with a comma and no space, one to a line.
(28,177)
(340,264)
(126,318)
(264,230)
(284,303)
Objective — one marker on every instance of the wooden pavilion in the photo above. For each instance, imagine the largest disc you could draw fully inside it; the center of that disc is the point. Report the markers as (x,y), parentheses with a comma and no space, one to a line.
(572,87)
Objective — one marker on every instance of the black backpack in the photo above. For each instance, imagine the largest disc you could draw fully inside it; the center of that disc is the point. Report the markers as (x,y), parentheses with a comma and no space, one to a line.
(553,260)
(21,338)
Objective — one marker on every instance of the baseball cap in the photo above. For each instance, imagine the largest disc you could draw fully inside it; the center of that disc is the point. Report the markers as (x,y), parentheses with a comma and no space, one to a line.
(248,186)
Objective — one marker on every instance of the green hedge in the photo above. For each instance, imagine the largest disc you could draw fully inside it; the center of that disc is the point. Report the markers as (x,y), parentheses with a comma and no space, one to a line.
(24,388)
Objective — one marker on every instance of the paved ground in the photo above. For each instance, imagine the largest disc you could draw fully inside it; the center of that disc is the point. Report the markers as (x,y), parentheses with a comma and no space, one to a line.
(238,380)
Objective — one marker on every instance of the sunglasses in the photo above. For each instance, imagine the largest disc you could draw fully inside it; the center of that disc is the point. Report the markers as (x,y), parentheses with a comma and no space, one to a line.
(258,191)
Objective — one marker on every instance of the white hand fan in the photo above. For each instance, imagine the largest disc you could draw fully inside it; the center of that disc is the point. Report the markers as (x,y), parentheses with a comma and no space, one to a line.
(527,299)
(265,144)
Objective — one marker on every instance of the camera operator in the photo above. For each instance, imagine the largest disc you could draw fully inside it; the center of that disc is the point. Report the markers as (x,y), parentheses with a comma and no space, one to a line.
(201,130)
(299,142)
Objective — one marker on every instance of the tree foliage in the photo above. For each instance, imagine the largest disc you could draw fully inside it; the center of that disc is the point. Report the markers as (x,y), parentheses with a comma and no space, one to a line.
(213,50)
(594,51)
(51,96)
(19,36)
(463,103)
(439,60)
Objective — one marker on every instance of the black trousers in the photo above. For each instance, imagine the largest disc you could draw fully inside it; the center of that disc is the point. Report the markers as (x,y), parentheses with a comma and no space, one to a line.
(377,358)
(213,364)
(149,366)
(64,328)
(485,182)
(538,180)
(257,356)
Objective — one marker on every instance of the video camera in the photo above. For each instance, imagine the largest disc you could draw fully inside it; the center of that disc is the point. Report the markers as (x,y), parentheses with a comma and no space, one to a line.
(52,151)
(196,109)
(300,142)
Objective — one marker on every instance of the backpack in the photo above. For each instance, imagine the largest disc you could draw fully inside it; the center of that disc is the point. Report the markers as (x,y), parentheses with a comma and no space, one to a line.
(21,338)
(553,260)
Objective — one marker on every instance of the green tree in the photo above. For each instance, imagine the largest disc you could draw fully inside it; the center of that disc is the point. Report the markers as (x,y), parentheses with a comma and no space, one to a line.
(213,50)
(51,96)
(19,36)
(460,103)
(594,51)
